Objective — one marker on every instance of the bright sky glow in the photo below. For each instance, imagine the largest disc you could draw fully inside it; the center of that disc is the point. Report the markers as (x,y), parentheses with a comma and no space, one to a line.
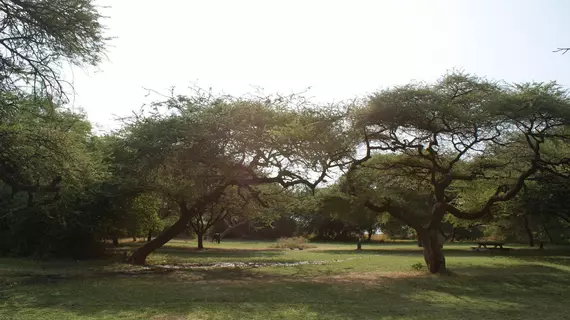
(339,48)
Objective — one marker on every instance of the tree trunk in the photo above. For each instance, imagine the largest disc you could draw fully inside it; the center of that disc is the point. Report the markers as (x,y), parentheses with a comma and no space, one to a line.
(139,256)
(149,237)
(230,227)
(433,255)
(547,233)
(200,240)
(528,231)
(115,240)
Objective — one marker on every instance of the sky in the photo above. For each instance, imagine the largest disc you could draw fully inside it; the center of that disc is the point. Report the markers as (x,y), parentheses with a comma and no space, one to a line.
(341,49)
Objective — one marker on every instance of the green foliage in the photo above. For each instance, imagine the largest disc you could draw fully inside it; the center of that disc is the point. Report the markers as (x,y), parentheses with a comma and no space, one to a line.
(142,216)
(418,266)
(38,36)
(43,144)
(49,161)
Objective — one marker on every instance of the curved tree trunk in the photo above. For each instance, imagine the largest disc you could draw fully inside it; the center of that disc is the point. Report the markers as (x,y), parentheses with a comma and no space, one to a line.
(139,256)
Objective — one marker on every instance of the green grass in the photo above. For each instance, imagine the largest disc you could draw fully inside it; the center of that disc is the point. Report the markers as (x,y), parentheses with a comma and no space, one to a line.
(377,283)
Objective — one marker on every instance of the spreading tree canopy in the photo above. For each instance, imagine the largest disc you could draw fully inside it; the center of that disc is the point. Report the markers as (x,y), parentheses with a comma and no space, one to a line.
(436,140)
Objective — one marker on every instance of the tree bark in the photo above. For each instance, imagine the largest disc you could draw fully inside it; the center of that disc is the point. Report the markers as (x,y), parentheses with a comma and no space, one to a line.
(528,231)
(200,237)
(139,256)
(432,239)
(433,255)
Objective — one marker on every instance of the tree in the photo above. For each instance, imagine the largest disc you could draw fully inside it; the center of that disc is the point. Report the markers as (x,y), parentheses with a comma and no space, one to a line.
(43,145)
(451,136)
(546,209)
(353,216)
(142,215)
(37,36)
(206,144)
(237,206)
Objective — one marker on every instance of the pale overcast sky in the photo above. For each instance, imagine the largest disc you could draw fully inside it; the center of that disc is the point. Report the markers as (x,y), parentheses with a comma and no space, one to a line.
(339,48)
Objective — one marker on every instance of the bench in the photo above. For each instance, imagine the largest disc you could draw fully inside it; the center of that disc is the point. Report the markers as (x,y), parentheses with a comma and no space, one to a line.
(490,246)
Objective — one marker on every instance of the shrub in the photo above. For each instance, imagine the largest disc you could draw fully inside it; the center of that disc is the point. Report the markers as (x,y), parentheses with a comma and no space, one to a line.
(380,237)
(293,243)
(417,266)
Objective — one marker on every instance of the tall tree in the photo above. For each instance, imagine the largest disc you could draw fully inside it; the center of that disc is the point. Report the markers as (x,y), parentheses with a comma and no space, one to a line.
(453,134)
(207,144)
(36,38)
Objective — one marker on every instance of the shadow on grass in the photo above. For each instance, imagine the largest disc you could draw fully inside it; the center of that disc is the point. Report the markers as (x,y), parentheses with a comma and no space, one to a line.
(455,252)
(527,291)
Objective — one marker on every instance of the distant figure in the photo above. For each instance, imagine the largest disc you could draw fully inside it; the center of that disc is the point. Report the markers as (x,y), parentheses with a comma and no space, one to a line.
(359,243)
(217,237)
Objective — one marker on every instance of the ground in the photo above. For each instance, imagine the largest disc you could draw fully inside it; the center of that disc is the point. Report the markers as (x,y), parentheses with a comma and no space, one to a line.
(339,283)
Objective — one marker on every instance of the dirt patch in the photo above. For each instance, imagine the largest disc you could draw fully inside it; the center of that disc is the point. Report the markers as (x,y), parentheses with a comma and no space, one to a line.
(368,278)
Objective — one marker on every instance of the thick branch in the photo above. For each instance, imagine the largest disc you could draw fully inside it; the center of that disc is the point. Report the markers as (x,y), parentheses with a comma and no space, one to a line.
(499,196)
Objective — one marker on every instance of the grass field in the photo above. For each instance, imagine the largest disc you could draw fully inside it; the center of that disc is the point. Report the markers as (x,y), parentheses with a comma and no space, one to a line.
(376,283)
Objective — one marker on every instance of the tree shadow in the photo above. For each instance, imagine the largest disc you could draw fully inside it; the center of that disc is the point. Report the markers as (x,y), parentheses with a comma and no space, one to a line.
(524,291)
(456,252)
(183,255)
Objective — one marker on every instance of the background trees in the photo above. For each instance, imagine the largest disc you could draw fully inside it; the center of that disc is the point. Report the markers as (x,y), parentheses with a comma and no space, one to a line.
(439,159)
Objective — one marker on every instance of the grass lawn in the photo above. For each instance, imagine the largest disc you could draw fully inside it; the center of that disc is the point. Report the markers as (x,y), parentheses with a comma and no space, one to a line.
(376,283)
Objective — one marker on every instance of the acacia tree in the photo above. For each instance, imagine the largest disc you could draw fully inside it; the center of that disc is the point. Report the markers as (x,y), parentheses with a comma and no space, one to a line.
(205,144)
(447,137)
(36,38)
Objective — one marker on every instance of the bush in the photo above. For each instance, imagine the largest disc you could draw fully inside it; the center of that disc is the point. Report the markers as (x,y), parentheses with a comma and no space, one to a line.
(293,243)
(380,237)
(417,266)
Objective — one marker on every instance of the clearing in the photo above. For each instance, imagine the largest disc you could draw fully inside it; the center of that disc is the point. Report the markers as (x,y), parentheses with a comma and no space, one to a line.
(250,280)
